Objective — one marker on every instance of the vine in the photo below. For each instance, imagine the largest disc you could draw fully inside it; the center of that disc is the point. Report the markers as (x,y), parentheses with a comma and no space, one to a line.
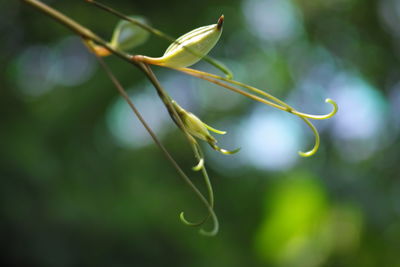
(181,54)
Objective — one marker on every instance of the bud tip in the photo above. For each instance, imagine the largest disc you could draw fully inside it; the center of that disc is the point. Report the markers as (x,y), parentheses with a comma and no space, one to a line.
(220,22)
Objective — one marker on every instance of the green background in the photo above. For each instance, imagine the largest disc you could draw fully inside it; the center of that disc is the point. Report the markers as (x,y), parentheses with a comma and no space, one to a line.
(82,185)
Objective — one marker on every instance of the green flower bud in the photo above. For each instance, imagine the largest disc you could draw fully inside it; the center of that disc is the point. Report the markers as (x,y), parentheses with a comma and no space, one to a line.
(193,124)
(189,48)
(199,129)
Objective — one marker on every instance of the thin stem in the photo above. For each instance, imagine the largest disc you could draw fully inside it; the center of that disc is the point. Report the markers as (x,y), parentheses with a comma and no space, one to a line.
(200,157)
(317,139)
(267,95)
(234,89)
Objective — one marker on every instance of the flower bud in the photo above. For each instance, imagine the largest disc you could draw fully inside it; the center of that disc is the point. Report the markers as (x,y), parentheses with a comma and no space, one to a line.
(193,124)
(199,129)
(189,48)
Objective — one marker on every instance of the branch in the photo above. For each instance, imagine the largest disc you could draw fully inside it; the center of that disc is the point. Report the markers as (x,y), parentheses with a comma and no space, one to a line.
(86,34)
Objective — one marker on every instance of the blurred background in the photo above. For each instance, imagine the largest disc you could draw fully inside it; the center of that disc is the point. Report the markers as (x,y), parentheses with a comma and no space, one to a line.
(82,184)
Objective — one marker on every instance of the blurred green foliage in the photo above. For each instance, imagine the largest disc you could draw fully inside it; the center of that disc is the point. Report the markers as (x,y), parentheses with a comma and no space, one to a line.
(77,191)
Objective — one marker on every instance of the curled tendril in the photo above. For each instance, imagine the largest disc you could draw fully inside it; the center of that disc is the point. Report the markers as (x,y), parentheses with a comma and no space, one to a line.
(210,207)
(286,106)
(319,117)
(188,223)
(281,105)
(211,232)
(211,214)
(201,167)
(317,140)
(215,228)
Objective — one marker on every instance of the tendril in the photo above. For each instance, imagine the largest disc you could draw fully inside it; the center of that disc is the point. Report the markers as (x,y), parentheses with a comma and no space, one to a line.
(188,223)
(317,139)
(214,219)
(284,106)
(215,228)
(319,117)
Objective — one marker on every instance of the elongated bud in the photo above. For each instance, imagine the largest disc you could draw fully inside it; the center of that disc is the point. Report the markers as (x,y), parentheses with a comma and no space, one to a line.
(189,48)
(127,35)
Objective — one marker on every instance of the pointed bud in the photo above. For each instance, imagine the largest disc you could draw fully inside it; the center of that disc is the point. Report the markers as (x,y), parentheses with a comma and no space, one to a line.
(189,48)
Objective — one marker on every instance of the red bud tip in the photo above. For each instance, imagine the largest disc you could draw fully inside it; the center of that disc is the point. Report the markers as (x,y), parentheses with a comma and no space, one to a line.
(220,22)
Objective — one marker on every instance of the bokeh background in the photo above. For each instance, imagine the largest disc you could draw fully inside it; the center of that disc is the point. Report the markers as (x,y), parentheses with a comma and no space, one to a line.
(81,183)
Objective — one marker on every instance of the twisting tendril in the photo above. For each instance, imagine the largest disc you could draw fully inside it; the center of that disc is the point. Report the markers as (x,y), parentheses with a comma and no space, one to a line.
(284,106)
